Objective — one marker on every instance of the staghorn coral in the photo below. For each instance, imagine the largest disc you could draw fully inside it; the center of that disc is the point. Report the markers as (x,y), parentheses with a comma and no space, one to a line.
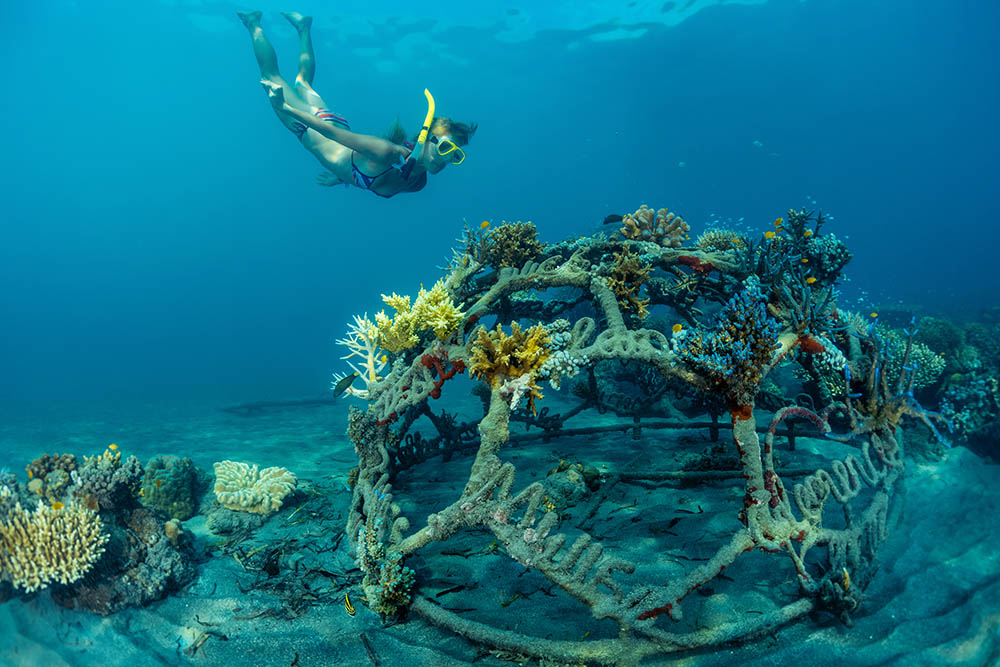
(512,244)
(361,343)
(49,545)
(432,310)
(245,488)
(513,361)
(667,230)
(628,274)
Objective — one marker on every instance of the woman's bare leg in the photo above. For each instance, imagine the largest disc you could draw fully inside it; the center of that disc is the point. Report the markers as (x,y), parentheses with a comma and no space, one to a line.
(307,59)
(267,59)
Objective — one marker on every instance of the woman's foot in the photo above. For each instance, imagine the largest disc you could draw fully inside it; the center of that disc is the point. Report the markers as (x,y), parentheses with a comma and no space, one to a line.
(250,19)
(298,20)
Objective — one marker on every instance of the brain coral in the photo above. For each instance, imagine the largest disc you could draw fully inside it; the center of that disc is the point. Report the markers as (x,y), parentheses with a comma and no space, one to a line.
(245,488)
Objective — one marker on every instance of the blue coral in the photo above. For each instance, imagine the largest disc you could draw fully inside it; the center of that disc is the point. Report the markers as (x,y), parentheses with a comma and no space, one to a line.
(732,354)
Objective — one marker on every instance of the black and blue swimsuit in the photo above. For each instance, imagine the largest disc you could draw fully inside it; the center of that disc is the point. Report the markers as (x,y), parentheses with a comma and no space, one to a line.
(365,181)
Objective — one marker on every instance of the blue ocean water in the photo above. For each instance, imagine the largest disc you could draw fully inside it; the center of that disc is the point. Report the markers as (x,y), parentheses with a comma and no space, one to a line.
(164,236)
(166,251)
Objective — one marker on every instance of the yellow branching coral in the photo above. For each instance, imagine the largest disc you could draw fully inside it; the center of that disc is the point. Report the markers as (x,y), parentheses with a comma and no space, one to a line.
(399,333)
(245,488)
(512,360)
(51,544)
(627,276)
(666,229)
(433,309)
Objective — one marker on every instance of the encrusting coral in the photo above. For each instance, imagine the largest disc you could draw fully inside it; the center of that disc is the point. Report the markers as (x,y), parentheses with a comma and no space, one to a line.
(171,484)
(245,488)
(52,544)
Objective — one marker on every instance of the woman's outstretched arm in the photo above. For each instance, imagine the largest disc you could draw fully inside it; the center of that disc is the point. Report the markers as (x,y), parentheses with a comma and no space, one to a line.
(374,148)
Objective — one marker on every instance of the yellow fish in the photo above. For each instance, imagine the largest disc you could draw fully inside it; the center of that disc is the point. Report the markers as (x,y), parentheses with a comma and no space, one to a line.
(384,358)
(777,223)
(768,235)
(677,328)
(873,314)
(112,446)
(348,607)
(847,579)
(58,505)
(805,260)
(30,474)
(810,280)
(808,232)
(484,224)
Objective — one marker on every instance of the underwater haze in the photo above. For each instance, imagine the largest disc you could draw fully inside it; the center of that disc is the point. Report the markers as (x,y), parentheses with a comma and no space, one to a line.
(179,297)
(164,237)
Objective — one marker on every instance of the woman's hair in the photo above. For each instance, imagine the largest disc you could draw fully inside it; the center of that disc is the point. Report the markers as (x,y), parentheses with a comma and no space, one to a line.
(396,133)
(459,132)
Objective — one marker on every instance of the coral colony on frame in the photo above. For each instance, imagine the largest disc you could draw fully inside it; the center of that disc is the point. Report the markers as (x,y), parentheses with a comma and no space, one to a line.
(579,313)
(711,368)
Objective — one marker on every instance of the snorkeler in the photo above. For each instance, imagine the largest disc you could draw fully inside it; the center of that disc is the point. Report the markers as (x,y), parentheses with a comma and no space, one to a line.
(383,166)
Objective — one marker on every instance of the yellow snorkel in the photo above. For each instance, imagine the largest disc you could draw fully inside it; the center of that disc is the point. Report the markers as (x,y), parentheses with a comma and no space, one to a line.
(421,138)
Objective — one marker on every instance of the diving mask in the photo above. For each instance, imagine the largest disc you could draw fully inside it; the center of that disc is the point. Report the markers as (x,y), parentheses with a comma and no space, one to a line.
(449,147)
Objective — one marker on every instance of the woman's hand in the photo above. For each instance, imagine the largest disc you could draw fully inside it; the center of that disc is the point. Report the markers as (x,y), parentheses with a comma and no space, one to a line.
(327,179)
(275,93)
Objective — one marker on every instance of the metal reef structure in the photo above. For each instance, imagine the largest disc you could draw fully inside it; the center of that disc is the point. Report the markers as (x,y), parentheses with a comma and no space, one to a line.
(742,307)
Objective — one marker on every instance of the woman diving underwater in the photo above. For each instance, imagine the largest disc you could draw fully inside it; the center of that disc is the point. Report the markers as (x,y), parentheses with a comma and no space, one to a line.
(386,167)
